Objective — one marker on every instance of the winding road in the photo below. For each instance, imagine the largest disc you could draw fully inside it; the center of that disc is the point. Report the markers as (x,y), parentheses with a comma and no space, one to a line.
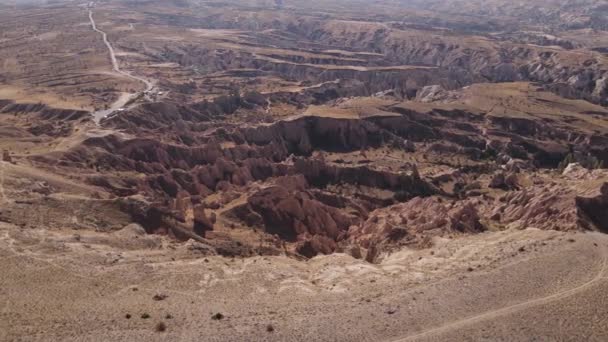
(125,97)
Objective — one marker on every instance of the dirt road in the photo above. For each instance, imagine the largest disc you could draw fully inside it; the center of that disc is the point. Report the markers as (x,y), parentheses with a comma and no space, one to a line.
(125,97)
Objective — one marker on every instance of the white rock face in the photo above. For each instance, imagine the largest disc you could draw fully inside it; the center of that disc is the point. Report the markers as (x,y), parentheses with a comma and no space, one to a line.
(601,88)
(431,94)
(575,170)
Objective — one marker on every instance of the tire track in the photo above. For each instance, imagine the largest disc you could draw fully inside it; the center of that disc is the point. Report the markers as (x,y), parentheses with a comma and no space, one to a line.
(512,308)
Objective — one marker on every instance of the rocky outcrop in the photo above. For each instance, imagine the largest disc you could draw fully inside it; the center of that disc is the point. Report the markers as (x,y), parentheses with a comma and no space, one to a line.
(295,215)
(414,223)
(43,111)
(593,209)
(505,182)
(546,207)
(574,201)
(161,114)
(291,213)
(432,93)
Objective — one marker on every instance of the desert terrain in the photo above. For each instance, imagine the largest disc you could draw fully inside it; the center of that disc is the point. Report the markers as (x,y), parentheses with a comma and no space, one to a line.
(287,170)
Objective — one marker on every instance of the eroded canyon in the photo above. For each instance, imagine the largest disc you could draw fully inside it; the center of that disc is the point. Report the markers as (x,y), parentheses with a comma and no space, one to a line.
(322,153)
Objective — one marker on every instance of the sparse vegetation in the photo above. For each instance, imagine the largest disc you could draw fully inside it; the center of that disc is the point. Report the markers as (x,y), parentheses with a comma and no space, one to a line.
(160,296)
(161,327)
(587,161)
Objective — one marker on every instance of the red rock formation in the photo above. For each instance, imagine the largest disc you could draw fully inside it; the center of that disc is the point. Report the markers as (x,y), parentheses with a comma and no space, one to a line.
(297,215)
(413,222)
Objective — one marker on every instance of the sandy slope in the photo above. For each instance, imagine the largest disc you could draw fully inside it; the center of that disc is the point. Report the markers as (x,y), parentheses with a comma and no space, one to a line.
(512,285)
